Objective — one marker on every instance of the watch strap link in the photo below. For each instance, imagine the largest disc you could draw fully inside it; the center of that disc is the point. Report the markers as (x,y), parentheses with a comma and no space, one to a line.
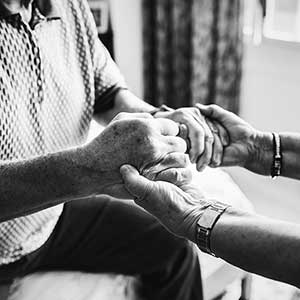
(206,223)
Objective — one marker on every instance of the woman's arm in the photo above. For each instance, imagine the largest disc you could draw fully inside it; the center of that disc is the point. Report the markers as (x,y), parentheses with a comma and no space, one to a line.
(263,154)
(259,245)
(255,243)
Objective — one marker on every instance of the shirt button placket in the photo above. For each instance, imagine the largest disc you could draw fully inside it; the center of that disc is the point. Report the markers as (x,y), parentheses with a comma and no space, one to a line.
(35,103)
(36,60)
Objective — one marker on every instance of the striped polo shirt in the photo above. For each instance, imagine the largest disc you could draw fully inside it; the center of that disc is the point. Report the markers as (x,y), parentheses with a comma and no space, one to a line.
(53,72)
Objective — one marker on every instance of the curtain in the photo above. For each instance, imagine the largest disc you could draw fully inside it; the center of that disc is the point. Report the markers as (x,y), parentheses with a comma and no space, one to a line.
(192,52)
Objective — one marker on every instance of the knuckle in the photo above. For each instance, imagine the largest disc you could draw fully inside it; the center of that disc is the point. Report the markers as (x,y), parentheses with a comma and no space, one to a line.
(177,176)
(187,175)
(184,159)
(180,112)
(198,133)
(214,106)
(209,139)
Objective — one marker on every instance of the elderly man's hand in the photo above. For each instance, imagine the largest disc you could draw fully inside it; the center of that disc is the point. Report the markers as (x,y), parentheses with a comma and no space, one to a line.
(177,208)
(149,144)
(207,138)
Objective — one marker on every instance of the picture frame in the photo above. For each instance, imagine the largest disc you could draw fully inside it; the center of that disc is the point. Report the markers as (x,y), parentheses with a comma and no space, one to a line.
(100,11)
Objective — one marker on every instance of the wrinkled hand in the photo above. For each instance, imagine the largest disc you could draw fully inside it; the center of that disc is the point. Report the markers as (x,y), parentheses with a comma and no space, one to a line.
(207,138)
(241,149)
(178,209)
(149,144)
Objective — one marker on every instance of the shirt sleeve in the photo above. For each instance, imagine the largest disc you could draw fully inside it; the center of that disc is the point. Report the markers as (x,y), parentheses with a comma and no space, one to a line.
(107,76)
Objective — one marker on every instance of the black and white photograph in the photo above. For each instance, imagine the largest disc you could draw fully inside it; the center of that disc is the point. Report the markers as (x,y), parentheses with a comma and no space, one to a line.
(149,150)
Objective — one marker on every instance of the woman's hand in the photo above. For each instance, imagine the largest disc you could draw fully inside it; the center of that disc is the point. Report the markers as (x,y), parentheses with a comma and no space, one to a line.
(247,145)
(207,138)
(178,209)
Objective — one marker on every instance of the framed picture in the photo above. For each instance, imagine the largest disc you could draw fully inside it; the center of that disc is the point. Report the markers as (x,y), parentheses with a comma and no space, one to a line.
(100,10)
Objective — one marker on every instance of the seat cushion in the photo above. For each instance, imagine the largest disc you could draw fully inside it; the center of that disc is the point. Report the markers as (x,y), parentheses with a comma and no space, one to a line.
(73,286)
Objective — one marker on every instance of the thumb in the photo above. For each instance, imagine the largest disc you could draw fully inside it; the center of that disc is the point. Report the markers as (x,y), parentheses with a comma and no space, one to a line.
(137,185)
(213,111)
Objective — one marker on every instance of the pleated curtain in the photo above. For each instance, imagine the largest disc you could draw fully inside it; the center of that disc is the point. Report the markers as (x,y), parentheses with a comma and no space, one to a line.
(193,52)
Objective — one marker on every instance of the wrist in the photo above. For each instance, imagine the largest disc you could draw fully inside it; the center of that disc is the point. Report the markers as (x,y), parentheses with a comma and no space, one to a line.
(261,151)
(89,173)
(206,224)
(98,174)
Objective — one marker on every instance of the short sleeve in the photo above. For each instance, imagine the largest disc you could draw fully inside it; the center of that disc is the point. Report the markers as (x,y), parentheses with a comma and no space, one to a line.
(107,75)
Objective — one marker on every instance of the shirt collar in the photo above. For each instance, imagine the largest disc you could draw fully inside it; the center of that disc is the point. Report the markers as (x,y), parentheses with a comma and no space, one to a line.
(47,8)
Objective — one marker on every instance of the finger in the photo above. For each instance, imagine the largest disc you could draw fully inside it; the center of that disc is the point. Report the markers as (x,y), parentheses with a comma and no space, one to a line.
(222,133)
(177,176)
(170,161)
(166,126)
(174,144)
(137,185)
(217,151)
(204,160)
(124,115)
(184,134)
(196,133)
(217,154)
(213,111)
(175,160)
(197,138)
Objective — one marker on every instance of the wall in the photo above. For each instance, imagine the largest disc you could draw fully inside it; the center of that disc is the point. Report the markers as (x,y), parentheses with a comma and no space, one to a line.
(271,101)
(127,21)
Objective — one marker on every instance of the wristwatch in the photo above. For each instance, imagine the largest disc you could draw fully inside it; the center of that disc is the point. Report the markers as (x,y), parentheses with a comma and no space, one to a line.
(206,223)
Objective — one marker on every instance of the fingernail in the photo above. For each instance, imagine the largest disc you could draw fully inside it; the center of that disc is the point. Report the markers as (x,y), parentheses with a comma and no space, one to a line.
(125,168)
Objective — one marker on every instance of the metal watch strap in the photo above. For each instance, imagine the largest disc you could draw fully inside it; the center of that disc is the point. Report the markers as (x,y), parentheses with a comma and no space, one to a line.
(206,223)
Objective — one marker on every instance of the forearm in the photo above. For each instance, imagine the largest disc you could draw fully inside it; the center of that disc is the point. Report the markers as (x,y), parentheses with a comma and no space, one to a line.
(258,245)
(262,160)
(32,185)
(124,101)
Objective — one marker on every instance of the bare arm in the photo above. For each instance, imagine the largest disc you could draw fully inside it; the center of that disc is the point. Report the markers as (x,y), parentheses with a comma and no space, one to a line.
(34,184)
(260,245)
(255,243)
(124,101)
(263,154)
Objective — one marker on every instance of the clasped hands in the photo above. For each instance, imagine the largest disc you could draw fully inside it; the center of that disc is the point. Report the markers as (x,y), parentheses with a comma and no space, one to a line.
(177,204)
(142,157)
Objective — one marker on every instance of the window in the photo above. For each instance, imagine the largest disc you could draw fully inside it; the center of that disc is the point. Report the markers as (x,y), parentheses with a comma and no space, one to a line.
(100,12)
(281,22)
